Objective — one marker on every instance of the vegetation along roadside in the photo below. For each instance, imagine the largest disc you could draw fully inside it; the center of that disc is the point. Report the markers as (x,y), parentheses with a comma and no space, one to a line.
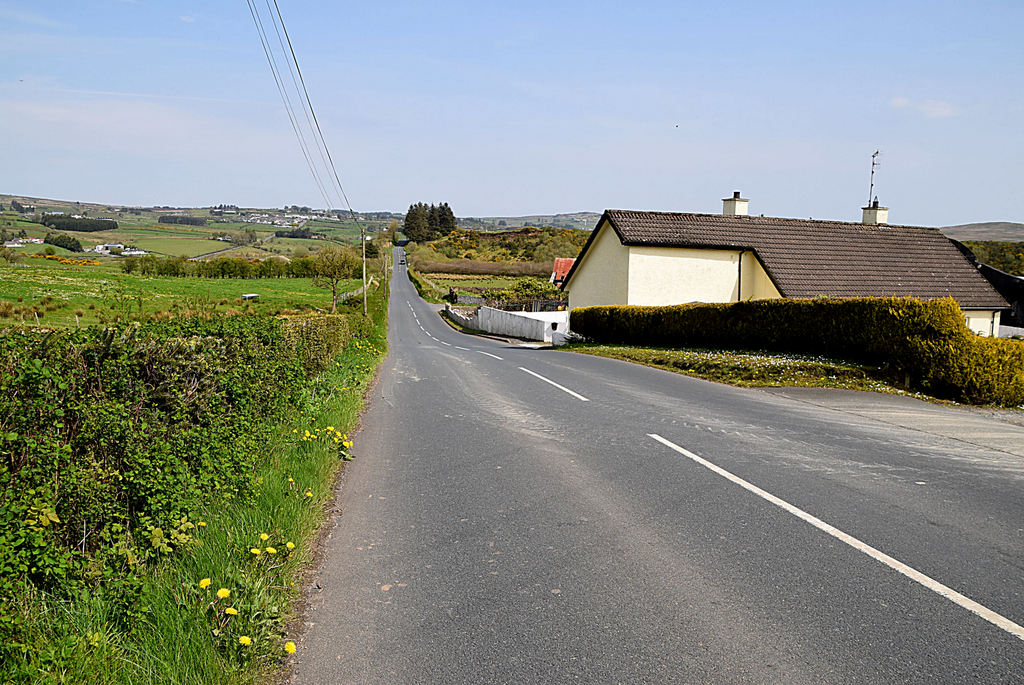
(155,520)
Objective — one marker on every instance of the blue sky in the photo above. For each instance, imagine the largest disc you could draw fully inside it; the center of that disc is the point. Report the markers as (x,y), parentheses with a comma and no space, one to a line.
(527,107)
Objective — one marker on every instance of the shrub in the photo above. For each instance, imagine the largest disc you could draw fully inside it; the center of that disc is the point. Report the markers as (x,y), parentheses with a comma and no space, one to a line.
(111,439)
(927,342)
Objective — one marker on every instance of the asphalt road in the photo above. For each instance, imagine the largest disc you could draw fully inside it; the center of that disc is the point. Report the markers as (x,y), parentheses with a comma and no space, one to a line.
(630,525)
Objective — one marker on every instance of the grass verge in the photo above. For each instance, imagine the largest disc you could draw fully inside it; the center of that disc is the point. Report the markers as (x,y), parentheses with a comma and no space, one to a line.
(427,291)
(217,611)
(751,369)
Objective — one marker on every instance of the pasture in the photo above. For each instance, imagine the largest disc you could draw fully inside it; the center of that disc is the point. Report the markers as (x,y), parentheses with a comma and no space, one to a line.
(64,296)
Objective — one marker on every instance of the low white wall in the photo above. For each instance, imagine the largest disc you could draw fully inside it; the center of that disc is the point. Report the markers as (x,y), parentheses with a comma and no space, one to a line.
(528,325)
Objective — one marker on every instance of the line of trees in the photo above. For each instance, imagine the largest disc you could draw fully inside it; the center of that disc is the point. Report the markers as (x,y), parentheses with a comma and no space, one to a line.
(63,240)
(428,222)
(67,223)
(181,219)
(222,267)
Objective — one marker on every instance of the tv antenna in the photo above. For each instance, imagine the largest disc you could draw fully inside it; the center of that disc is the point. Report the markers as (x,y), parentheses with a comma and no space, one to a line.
(871,189)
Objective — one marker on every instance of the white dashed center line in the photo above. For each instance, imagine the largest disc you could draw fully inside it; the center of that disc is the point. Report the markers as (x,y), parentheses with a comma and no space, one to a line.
(915,575)
(560,387)
(489,354)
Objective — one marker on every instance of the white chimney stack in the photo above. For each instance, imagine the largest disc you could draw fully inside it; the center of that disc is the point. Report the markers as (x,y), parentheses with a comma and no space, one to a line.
(735,205)
(873,214)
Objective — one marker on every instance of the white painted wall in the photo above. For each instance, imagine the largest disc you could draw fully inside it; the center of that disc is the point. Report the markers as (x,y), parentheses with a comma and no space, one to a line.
(602,276)
(528,325)
(672,275)
(983,322)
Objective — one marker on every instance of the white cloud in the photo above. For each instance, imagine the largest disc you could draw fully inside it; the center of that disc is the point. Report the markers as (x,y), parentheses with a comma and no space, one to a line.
(932,109)
(188,19)
(134,128)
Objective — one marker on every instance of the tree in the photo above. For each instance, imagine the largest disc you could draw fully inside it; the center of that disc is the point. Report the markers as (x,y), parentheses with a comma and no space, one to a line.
(446,219)
(415,227)
(392,231)
(10,256)
(331,266)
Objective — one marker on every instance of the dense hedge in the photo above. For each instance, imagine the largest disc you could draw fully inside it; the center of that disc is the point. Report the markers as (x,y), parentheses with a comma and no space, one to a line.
(925,341)
(68,223)
(111,440)
(63,240)
(181,219)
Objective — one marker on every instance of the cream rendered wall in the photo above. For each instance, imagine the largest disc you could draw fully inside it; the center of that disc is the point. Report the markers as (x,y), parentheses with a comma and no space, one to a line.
(755,284)
(983,322)
(673,275)
(602,276)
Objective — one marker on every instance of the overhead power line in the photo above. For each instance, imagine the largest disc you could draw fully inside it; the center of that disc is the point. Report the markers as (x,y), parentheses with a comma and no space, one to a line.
(332,182)
(311,110)
(286,100)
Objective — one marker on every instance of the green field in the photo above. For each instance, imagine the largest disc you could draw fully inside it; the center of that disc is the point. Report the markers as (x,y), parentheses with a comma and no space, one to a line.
(463,282)
(98,294)
(180,247)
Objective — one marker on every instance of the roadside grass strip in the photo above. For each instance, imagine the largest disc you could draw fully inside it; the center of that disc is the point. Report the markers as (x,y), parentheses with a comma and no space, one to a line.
(751,369)
(935,586)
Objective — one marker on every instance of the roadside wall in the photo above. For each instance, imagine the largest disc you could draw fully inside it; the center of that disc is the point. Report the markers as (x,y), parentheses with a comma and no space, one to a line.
(528,325)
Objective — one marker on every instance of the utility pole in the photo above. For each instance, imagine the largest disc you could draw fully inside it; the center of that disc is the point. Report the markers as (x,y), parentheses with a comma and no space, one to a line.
(362,241)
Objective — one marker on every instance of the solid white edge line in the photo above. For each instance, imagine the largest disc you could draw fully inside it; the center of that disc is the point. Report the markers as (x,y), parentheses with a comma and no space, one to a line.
(915,575)
(560,387)
(490,355)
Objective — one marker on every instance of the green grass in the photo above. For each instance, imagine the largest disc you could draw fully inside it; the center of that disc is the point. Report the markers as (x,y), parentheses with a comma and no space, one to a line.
(179,247)
(99,293)
(462,282)
(172,641)
(750,369)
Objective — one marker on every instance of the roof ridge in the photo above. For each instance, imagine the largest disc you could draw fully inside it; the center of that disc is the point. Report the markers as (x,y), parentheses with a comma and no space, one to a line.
(750,217)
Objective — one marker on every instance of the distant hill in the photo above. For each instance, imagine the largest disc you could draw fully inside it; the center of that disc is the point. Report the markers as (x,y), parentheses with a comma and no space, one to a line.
(988,230)
(581,220)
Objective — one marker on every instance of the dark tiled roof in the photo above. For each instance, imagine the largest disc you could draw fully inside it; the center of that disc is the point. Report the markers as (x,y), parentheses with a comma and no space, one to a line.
(809,258)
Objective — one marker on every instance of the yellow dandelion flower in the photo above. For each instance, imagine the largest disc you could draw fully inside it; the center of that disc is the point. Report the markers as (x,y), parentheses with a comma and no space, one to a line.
(289,647)
(308,493)
(291,480)
(271,550)
(204,583)
(256,550)
(231,611)
(245,640)
(264,537)
(223,593)
(201,524)
(290,545)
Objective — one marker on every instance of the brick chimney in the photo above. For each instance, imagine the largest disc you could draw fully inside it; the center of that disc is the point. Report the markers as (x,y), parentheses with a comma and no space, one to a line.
(735,205)
(873,214)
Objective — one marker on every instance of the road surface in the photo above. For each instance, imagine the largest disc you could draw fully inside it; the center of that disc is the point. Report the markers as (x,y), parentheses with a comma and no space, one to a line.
(535,516)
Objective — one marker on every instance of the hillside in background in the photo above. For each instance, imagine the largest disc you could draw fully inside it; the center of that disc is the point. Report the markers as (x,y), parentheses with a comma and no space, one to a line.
(581,220)
(988,230)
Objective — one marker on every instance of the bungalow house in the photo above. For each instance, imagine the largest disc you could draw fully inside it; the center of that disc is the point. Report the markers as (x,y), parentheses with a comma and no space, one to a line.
(663,258)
